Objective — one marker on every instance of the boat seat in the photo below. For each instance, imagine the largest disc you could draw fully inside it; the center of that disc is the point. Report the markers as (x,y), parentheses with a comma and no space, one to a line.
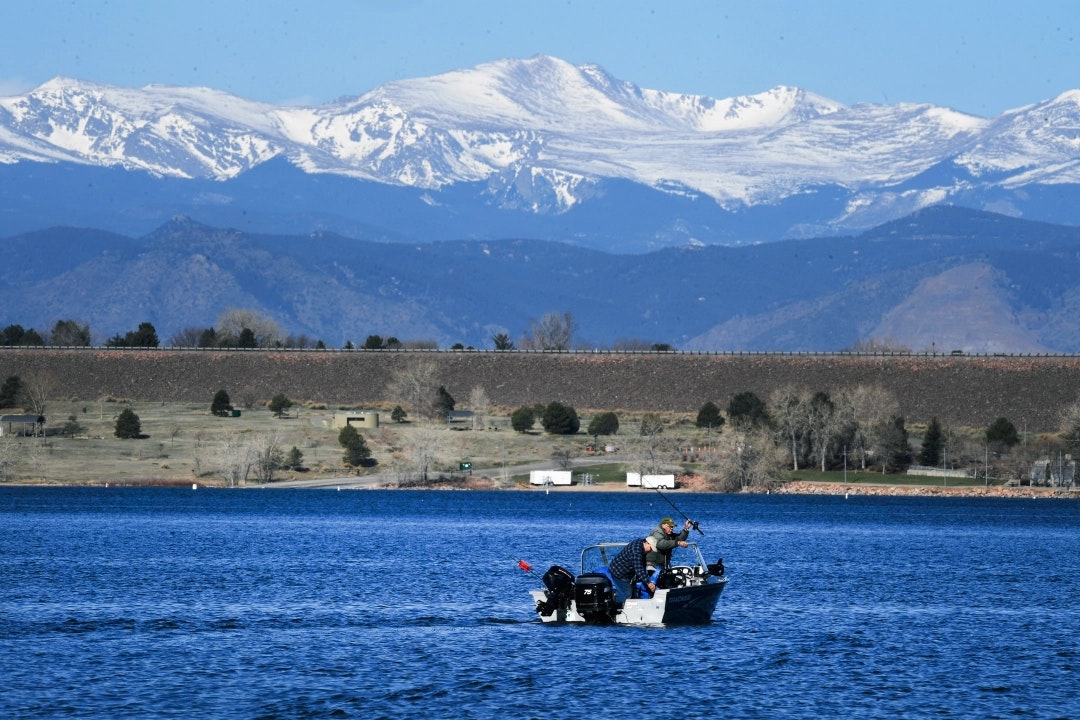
(621,587)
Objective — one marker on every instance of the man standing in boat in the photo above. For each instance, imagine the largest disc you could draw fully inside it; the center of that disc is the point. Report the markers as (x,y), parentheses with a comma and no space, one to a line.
(663,540)
(629,565)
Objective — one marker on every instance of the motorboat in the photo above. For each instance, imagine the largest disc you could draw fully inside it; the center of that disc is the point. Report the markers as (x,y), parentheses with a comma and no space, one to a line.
(687,591)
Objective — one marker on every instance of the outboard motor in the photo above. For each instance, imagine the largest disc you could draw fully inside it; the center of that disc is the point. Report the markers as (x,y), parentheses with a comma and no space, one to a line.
(594,598)
(558,590)
(717,568)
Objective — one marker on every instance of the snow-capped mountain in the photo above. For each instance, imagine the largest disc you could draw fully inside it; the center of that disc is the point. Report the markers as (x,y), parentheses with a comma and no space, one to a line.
(495,149)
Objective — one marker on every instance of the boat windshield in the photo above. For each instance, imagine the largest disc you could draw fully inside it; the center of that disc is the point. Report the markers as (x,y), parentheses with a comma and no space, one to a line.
(689,556)
(597,556)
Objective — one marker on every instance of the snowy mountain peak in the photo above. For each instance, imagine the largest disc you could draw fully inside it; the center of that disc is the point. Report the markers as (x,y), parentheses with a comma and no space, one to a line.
(543,135)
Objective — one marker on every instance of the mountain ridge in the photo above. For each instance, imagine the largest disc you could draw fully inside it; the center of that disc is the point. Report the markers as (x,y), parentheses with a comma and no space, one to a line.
(1015,277)
(537,147)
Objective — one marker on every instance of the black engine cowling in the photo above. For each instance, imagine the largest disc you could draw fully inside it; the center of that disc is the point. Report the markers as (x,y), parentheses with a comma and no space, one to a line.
(558,590)
(594,598)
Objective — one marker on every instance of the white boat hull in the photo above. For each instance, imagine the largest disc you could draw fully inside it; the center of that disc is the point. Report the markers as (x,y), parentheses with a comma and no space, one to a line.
(676,606)
(691,589)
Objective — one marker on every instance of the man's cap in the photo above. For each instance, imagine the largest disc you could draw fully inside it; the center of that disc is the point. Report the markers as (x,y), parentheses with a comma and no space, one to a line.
(668,521)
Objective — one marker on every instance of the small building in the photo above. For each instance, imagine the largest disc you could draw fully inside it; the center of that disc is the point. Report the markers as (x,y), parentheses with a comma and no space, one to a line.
(634,479)
(1053,471)
(362,419)
(550,477)
(24,425)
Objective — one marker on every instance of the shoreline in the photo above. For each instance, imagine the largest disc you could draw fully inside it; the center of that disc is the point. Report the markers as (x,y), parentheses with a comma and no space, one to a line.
(795,487)
(803,487)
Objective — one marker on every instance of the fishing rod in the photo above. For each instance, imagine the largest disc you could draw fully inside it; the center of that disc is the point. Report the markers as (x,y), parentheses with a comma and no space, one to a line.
(693,523)
(528,568)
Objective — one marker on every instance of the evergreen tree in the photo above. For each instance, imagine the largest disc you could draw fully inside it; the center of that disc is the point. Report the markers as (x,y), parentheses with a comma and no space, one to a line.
(294,459)
(709,416)
(12,335)
(559,419)
(247,339)
(128,425)
(69,333)
(221,405)
(522,419)
(1002,433)
(398,414)
(747,410)
(279,404)
(357,453)
(444,403)
(73,427)
(932,445)
(347,435)
(10,391)
(606,423)
(895,448)
(356,449)
(145,336)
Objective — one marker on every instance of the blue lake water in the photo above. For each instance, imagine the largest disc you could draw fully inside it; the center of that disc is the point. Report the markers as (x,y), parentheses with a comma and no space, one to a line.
(139,603)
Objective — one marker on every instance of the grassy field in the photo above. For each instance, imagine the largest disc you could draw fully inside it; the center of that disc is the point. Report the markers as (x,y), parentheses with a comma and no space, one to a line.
(183,443)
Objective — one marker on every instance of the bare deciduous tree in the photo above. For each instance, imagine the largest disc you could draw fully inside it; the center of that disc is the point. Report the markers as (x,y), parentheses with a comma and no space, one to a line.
(553,331)
(651,424)
(872,407)
(235,320)
(11,452)
(415,386)
(234,459)
(652,455)
(746,459)
(479,403)
(186,337)
(423,447)
(267,456)
(38,388)
(789,408)
(827,418)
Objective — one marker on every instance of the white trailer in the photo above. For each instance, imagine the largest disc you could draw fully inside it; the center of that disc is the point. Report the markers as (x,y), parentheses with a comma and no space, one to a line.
(634,479)
(550,477)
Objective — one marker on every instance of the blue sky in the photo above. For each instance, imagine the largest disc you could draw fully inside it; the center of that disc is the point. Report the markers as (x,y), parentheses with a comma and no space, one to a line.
(980,57)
